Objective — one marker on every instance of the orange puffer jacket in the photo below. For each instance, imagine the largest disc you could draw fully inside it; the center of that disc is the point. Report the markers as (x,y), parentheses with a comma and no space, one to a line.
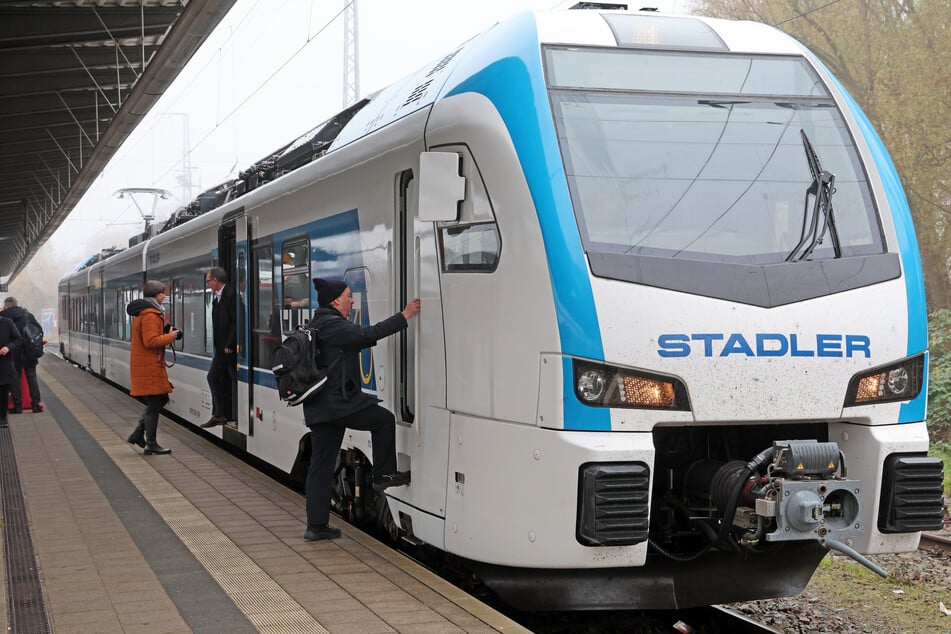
(147,358)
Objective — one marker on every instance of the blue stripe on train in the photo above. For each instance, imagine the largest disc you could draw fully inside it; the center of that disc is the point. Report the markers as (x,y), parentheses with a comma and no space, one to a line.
(914,410)
(514,83)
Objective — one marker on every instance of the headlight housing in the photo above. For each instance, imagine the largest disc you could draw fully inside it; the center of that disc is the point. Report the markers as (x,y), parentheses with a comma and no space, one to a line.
(900,381)
(600,385)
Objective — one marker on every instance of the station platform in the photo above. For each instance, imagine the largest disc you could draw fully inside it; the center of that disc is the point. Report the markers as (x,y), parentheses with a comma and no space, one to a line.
(100,538)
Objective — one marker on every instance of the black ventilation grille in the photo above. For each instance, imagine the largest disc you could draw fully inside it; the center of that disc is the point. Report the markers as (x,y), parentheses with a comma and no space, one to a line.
(613,507)
(912,494)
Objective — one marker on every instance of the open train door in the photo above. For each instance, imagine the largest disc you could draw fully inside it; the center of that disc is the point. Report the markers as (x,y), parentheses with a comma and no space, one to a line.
(233,236)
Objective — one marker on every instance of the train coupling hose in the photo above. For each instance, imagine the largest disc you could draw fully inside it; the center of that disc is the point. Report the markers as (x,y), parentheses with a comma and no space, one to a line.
(832,544)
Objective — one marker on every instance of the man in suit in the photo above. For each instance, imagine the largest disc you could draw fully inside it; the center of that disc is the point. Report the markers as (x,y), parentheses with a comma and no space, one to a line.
(222,377)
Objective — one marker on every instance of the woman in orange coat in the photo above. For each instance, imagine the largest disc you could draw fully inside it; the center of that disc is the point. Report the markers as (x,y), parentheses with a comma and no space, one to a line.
(147,363)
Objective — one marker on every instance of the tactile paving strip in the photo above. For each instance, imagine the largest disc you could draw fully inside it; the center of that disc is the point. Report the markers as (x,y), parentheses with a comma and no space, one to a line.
(27,604)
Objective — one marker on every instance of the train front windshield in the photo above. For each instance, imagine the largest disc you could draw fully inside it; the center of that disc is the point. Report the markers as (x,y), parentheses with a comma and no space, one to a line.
(705,157)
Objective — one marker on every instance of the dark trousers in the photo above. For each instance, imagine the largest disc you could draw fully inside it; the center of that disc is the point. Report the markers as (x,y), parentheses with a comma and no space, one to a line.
(325,440)
(148,421)
(222,380)
(30,371)
(4,397)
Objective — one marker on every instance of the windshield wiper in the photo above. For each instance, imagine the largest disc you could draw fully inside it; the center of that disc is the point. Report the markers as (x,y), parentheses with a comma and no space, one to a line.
(720,103)
(822,188)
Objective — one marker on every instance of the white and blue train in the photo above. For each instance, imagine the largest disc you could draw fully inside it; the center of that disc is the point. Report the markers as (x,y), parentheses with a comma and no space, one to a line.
(673,339)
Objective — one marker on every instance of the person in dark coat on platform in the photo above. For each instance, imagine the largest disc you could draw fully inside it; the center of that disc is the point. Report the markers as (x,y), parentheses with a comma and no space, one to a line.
(149,378)
(342,403)
(10,343)
(223,374)
(24,360)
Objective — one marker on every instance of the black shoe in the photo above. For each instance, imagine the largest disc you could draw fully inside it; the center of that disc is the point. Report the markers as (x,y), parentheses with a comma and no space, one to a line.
(156,449)
(214,421)
(3,423)
(395,479)
(137,440)
(317,532)
(16,410)
(37,409)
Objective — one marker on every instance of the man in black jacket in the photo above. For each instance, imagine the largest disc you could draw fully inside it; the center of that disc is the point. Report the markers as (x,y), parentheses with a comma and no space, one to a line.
(222,376)
(23,360)
(342,403)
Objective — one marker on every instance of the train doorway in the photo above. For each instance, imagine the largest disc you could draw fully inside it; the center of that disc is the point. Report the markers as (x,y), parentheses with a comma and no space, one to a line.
(232,256)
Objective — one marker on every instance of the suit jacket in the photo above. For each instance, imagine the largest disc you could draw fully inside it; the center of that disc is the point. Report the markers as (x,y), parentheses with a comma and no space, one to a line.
(340,341)
(9,337)
(224,331)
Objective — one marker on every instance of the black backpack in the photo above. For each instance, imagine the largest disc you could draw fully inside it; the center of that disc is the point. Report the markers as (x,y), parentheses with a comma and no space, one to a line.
(295,366)
(33,341)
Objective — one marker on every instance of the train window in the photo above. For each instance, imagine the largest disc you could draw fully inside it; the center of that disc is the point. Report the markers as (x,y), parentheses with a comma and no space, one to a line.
(700,166)
(266,332)
(188,312)
(192,325)
(111,304)
(688,73)
(470,248)
(93,309)
(242,321)
(712,178)
(209,343)
(177,315)
(130,294)
(295,284)
(294,254)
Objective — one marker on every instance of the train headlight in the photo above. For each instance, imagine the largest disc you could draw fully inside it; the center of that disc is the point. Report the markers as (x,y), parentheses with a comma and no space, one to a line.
(591,386)
(901,381)
(601,385)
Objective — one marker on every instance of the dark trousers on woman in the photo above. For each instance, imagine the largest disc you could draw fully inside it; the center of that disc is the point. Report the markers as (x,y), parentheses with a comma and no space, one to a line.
(148,421)
(325,441)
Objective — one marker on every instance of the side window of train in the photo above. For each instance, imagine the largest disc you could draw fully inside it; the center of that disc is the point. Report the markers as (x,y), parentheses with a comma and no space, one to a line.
(109,315)
(471,244)
(130,294)
(209,295)
(120,315)
(93,309)
(266,320)
(470,248)
(295,284)
(176,316)
(192,324)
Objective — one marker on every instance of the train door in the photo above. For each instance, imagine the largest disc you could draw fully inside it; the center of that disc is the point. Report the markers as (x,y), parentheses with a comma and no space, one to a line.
(96,338)
(423,421)
(243,395)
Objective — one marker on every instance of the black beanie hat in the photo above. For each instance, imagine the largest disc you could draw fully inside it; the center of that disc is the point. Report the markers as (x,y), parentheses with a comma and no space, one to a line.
(328,290)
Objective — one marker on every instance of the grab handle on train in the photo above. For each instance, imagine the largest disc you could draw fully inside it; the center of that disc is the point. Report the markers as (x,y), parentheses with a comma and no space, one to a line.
(416,326)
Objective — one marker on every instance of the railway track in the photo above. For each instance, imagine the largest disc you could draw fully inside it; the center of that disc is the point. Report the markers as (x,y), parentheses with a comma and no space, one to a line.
(706,620)
(932,541)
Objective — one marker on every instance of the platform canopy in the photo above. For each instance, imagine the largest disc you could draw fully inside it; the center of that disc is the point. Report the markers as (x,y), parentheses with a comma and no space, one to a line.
(76,77)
